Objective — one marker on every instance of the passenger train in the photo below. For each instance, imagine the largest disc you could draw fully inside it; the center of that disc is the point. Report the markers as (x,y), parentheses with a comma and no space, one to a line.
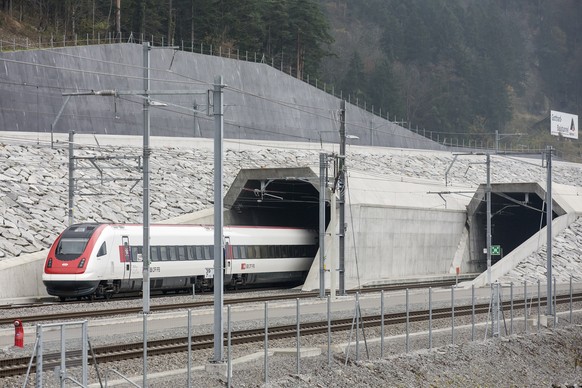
(92,260)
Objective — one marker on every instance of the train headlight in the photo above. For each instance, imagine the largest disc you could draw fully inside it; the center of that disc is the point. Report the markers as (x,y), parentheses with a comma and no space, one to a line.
(49,263)
(81,263)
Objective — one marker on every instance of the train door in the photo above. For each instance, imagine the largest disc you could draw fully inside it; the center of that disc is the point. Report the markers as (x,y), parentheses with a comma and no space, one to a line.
(228,256)
(127,257)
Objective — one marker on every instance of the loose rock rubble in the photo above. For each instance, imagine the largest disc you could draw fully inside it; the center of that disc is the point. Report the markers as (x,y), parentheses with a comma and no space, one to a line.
(34,194)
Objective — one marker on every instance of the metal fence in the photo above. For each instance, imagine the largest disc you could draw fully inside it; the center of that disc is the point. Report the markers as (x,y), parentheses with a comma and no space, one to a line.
(503,317)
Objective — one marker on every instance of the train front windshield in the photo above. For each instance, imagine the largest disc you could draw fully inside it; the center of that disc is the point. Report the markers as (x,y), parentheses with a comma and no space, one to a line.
(70,248)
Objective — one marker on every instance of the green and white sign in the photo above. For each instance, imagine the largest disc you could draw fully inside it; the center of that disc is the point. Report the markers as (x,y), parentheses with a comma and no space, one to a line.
(496,250)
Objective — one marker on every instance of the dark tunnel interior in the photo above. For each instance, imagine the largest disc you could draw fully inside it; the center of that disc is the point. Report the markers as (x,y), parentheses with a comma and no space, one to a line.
(515,217)
(278,202)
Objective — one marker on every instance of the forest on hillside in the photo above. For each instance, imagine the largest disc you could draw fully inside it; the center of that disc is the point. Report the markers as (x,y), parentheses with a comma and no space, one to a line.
(462,68)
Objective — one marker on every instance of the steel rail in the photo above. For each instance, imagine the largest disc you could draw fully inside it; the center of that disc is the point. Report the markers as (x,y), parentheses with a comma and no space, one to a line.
(111,353)
(29,319)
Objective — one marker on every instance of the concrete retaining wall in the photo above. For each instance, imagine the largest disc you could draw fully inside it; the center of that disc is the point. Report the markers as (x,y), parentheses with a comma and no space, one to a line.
(261,102)
(396,243)
(22,276)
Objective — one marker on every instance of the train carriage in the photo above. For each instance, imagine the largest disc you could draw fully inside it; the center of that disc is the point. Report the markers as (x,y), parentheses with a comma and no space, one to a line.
(99,260)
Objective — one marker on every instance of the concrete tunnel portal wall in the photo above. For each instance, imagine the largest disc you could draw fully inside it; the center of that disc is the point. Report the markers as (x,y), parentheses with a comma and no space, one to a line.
(274,197)
(518,211)
(290,197)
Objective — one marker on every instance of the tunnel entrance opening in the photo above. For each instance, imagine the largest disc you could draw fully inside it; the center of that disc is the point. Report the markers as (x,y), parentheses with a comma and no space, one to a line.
(278,202)
(517,213)
(285,197)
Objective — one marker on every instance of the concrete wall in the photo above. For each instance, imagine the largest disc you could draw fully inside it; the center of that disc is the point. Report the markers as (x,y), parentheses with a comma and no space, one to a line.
(261,102)
(395,243)
(22,276)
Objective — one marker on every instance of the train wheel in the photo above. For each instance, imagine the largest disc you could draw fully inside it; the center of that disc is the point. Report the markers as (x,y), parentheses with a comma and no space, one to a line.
(91,297)
(62,298)
(108,295)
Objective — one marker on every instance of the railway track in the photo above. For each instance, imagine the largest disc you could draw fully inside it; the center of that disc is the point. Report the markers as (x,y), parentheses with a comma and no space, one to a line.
(112,353)
(30,319)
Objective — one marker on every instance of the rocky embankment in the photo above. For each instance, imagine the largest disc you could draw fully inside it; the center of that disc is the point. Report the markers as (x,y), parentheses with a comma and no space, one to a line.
(34,191)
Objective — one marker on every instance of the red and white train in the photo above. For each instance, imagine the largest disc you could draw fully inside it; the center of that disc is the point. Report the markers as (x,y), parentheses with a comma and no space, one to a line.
(99,260)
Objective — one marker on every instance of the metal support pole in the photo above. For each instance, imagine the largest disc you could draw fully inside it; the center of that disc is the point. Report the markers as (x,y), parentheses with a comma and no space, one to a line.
(329,330)
(430,318)
(570,299)
(71,176)
(229,345)
(554,302)
(63,371)
(452,315)
(266,361)
(407,323)
(472,312)
(189,379)
(322,191)
(39,361)
(488,199)
(85,351)
(549,229)
(298,337)
(357,326)
(511,308)
(525,304)
(496,313)
(539,306)
(382,324)
(218,221)
(342,188)
(146,208)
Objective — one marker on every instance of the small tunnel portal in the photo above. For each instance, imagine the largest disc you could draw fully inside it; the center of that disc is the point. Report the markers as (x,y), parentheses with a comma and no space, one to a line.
(518,211)
(275,197)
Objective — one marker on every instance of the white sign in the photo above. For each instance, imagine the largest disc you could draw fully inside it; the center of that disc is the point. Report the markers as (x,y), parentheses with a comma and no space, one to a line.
(564,124)
(209,273)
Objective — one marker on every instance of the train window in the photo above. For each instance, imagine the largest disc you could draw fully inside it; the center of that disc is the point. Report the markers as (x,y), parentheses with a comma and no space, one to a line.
(102,250)
(191,250)
(285,251)
(163,253)
(199,253)
(181,253)
(172,253)
(207,252)
(264,251)
(243,252)
(155,253)
(250,251)
(70,246)
(135,253)
(277,251)
(233,252)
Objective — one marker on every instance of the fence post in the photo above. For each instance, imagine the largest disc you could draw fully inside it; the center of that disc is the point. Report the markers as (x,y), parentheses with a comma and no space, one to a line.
(539,306)
(511,308)
(525,304)
(407,323)
(430,318)
(298,337)
(329,330)
(453,314)
(189,379)
(382,324)
(570,299)
(229,358)
(266,362)
(472,312)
